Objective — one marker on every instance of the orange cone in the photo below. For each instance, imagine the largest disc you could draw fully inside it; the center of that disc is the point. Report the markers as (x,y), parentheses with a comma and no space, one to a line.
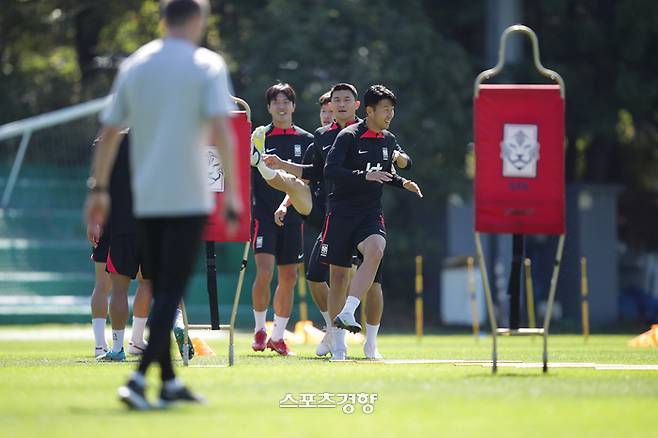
(201,348)
(646,339)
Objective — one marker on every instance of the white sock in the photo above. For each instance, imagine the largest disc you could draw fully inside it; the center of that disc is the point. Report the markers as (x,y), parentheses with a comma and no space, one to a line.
(117,340)
(265,171)
(371,334)
(260,318)
(172,385)
(339,339)
(137,336)
(138,378)
(280,324)
(178,319)
(327,319)
(351,304)
(98,326)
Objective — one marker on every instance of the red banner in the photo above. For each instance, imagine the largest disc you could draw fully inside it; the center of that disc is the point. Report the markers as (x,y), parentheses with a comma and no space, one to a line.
(519,159)
(215,230)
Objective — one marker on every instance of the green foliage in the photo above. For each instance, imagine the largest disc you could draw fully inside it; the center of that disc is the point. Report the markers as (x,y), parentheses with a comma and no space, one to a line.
(56,53)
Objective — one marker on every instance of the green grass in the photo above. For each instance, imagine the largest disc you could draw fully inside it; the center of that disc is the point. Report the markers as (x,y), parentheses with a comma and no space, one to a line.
(54,388)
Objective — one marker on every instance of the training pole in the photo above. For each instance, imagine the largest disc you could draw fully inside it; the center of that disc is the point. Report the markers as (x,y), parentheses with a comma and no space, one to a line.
(584,298)
(211,280)
(473,299)
(529,294)
(301,291)
(419,298)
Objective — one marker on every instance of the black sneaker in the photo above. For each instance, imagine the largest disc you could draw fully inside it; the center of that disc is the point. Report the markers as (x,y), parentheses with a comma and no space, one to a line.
(179,395)
(132,394)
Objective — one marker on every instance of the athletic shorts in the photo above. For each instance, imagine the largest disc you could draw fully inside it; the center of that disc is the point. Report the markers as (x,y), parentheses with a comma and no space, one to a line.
(342,234)
(286,243)
(125,257)
(99,254)
(318,272)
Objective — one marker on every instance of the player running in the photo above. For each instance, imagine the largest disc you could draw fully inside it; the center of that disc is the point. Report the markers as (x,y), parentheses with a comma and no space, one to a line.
(272,243)
(358,163)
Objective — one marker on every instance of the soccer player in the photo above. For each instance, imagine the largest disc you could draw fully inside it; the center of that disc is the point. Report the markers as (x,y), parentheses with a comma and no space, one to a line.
(272,244)
(358,164)
(170,92)
(124,261)
(99,238)
(326,113)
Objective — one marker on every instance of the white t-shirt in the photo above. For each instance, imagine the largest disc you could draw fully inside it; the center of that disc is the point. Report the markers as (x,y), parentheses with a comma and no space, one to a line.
(165,92)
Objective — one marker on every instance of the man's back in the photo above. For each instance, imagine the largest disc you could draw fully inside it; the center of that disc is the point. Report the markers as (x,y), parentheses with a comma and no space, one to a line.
(166,92)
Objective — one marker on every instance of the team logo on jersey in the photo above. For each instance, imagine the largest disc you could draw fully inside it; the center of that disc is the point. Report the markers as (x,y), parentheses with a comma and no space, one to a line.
(384,154)
(371,168)
(298,150)
(259,242)
(519,151)
(324,250)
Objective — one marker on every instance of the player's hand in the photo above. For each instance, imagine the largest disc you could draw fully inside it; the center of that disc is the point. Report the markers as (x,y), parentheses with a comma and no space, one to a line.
(97,207)
(379,176)
(412,187)
(273,161)
(280,214)
(93,234)
(232,212)
(395,156)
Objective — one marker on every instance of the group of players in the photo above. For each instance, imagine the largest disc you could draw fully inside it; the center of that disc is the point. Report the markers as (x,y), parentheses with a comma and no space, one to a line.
(333,179)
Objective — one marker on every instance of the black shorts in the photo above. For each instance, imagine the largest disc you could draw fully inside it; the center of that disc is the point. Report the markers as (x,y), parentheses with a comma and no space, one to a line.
(342,234)
(99,254)
(318,272)
(286,243)
(126,257)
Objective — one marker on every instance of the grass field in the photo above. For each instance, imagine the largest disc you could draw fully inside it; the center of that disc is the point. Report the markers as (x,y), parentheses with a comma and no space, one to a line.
(52,387)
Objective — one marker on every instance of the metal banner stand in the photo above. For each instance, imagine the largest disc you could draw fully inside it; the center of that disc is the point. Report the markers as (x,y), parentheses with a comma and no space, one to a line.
(515,330)
(211,272)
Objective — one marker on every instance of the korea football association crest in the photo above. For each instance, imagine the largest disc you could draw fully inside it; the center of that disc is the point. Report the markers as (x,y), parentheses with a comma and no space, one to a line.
(215,171)
(298,150)
(519,151)
(385,154)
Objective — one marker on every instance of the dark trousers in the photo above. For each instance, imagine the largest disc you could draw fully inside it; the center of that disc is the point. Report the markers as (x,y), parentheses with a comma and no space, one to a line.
(170,247)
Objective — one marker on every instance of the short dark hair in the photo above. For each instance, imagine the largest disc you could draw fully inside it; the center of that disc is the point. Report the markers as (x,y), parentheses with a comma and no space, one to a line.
(178,12)
(325,98)
(279,88)
(346,87)
(377,93)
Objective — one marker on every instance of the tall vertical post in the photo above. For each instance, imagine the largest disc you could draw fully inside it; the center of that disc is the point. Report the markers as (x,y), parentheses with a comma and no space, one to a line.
(584,298)
(514,285)
(301,291)
(529,294)
(475,317)
(211,272)
(419,297)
